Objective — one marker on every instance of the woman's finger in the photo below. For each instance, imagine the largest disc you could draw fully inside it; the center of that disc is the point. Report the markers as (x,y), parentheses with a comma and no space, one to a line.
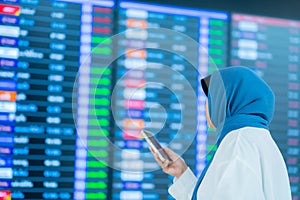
(165,164)
(152,151)
(158,159)
(155,156)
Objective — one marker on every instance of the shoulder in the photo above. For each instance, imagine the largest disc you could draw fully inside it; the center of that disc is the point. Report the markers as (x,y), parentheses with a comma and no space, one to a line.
(243,143)
(247,134)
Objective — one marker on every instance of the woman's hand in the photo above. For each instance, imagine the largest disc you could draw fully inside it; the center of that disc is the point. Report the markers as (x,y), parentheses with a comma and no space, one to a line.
(176,167)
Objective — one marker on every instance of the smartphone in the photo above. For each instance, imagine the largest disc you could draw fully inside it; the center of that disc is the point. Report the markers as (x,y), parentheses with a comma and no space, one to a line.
(154,144)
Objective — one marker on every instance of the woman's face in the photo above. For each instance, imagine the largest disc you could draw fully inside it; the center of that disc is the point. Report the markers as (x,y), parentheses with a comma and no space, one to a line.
(209,123)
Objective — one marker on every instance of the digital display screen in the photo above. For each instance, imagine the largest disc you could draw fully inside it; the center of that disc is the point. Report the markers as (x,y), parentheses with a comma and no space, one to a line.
(40,43)
(43,45)
(157,89)
(272,48)
(92,102)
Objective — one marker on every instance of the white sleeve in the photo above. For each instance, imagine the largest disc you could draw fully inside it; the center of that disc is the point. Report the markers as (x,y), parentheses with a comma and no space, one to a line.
(183,187)
(237,181)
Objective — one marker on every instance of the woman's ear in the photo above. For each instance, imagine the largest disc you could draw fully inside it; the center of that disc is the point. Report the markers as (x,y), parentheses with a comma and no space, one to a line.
(209,122)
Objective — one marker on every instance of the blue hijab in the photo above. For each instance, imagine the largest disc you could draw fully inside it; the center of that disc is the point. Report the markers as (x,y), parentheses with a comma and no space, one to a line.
(237,98)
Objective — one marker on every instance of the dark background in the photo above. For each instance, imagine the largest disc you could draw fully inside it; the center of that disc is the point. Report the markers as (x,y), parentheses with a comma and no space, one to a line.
(289,9)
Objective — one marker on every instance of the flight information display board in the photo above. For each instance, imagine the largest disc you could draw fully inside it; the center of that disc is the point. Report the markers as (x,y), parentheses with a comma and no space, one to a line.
(157,75)
(93,103)
(272,47)
(43,44)
(39,61)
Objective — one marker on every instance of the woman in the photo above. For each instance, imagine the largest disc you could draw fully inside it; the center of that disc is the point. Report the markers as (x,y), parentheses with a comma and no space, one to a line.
(247,164)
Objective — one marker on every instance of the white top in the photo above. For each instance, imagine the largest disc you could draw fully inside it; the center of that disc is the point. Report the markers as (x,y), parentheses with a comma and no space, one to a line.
(247,166)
